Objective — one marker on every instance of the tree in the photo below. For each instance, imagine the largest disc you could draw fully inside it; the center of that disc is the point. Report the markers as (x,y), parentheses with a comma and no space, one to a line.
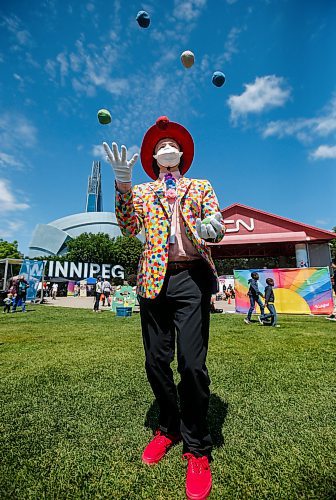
(89,247)
(127,251)
(100,248)
(9,250)
(227,265)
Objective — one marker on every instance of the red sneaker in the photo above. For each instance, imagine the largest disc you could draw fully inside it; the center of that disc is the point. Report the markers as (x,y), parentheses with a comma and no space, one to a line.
(158,447)
(199,481)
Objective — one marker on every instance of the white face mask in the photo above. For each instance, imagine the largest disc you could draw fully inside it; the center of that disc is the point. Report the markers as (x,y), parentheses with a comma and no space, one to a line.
(168,156)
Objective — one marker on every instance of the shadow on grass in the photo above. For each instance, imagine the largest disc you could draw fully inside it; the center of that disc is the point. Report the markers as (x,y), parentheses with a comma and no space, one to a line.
(217,413)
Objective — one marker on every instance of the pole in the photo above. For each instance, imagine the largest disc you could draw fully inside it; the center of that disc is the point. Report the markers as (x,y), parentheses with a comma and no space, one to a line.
(5,276)
(42,279)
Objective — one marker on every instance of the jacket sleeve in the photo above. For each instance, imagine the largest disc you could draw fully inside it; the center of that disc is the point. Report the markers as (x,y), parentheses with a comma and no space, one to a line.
(129,211)
(254,285)
(268,292)
(210,206)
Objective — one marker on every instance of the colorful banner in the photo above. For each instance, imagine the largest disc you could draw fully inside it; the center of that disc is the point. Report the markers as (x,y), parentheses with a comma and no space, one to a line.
(124,297)
(32,270)
(71,288)
(296,291)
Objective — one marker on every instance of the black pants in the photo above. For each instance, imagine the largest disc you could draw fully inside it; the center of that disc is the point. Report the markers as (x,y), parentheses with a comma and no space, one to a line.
(180,313)
(96,303)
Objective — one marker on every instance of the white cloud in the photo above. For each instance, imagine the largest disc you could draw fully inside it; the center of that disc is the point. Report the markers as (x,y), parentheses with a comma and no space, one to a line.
(8,202)
(9,228)
(175,29)
(16,131)
(305,129)
(98,152)
(188,10)
(62,60)
(88,68)
(230,47)
(9,161)
(324,152)
(21,36)
(265,93)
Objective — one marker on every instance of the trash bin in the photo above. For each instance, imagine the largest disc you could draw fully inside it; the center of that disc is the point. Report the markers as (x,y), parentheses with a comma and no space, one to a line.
(123,311)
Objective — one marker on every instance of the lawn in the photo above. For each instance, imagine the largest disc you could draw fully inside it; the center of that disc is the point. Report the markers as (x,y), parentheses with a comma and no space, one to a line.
(76,409)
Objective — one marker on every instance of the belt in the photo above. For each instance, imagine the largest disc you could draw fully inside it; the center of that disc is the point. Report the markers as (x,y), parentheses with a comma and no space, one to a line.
(180,265)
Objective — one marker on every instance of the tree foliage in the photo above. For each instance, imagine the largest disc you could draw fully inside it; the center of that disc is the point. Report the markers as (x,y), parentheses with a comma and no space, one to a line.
(227,266)
(127,251)
(9,250)
(100,248)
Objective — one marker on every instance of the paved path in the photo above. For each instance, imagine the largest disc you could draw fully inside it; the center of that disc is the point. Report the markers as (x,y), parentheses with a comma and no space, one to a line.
(80,302)
(87,303)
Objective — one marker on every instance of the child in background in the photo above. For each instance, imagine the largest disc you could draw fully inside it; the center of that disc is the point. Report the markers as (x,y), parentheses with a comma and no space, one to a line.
(269,303)
(8,302)
(254,295)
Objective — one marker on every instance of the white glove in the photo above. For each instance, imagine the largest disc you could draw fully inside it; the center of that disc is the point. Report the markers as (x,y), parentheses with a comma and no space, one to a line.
(210,227)
(121,167)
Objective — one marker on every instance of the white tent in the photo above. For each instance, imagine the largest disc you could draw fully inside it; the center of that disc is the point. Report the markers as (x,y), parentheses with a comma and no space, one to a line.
(8,272)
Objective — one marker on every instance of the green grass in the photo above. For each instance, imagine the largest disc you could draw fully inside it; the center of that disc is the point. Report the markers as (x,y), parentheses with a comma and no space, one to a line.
(76,409)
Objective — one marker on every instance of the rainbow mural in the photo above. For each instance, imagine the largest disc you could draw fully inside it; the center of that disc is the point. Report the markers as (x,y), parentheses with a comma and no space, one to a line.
(297,291)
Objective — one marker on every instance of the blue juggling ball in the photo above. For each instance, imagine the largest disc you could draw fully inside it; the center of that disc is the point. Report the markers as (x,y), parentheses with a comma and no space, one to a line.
(143,19)
(218,78)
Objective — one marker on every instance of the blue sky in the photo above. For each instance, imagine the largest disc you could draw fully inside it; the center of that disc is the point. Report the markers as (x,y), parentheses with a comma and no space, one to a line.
(267,138)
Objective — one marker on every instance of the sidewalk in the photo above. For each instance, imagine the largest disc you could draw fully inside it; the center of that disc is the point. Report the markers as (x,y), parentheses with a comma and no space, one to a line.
(79,302)
(87,303)
(227,308)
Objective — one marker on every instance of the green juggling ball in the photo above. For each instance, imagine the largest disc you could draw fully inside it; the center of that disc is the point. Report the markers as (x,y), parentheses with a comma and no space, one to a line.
(104,116)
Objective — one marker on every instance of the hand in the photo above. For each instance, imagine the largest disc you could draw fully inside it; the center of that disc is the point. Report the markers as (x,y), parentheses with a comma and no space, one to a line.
(121,166)
(210,227)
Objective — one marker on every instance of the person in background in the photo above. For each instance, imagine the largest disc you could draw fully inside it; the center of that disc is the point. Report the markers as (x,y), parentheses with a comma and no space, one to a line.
(332,316)
(254,295)
(97,294)
(8,302)
(230,291)
(269,303)
(21,294)
(333,270)
(107,292)
(54,290)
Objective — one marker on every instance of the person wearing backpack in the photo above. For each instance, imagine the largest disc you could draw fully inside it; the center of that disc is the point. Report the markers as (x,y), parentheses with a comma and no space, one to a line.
(20,294)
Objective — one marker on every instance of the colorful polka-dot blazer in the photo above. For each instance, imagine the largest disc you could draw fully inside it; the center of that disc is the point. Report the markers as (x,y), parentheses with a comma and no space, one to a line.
(146,207)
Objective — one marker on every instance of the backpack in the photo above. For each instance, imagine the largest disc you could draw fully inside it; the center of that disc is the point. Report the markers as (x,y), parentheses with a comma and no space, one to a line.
(22,288)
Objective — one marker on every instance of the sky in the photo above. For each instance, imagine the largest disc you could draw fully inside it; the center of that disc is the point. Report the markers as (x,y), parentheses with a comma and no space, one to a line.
(266,138)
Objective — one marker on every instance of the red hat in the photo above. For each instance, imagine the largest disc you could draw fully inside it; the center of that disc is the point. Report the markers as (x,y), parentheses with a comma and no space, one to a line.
(163,129)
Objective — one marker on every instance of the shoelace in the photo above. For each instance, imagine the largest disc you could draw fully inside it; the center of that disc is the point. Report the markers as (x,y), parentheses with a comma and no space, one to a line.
(197,464)
(162,439)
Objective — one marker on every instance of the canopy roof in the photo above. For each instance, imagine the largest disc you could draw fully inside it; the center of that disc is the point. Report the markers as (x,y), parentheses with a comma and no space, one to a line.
(247,225)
